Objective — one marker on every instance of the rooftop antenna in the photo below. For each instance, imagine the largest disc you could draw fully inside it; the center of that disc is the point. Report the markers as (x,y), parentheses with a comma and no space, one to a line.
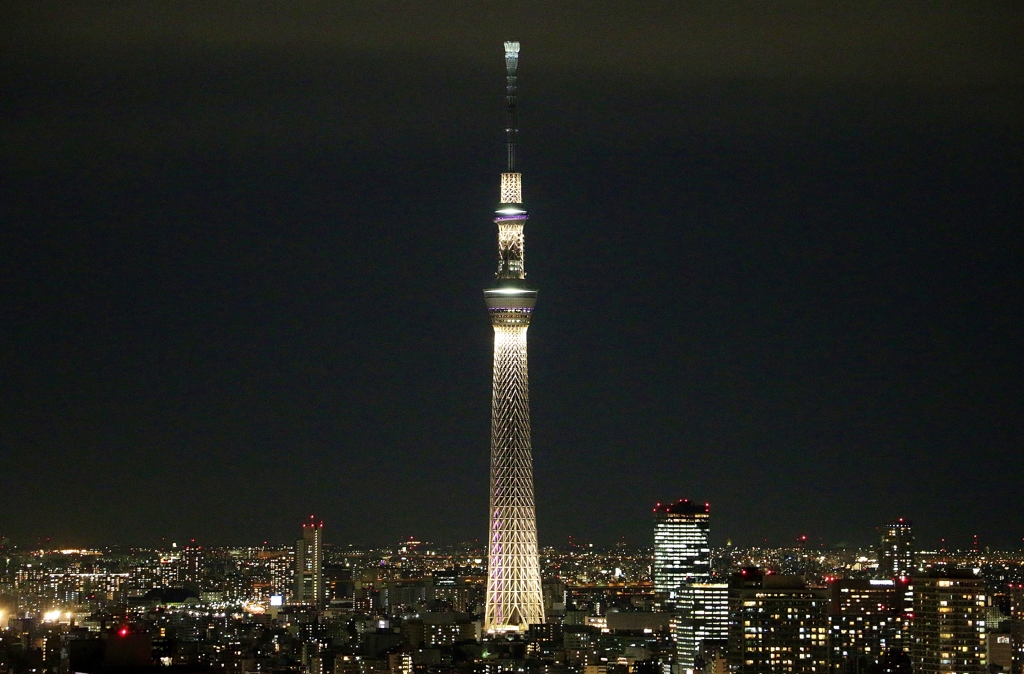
(511,64)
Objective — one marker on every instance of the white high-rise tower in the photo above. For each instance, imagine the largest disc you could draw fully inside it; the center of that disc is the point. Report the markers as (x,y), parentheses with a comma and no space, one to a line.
(514,598)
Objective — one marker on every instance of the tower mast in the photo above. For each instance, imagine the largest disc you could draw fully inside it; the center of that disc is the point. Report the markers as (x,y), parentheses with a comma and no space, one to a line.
(514,598)
(511,65)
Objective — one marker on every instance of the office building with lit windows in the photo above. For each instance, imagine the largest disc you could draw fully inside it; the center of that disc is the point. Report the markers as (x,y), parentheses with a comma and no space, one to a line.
(682,553)
(309,560)
(701,613)
(948,631)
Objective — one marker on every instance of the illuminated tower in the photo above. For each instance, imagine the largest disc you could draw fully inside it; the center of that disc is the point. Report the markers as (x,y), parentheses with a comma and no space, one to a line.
(514,599)
(309,560)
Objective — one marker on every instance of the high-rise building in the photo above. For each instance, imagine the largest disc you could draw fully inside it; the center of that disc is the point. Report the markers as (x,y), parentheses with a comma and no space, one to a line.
(309,560)
(1017,628)
(278,566)
(701,613)
(192,564)
(896,550)
(682,553)
(864,622)
(514,597)
(777,624)
(948,629)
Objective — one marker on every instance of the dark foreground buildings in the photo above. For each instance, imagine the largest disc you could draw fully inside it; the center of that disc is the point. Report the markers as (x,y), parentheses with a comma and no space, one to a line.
(777,624)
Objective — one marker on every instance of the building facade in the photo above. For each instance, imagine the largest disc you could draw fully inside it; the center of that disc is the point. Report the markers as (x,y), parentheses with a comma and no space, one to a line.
(701,614)
(948,628)
(777,624)
(1017,629)
(896,550)
(309,560)
(864,623)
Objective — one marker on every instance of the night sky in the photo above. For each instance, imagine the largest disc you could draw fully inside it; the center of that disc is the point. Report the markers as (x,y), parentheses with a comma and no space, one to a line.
(778,245)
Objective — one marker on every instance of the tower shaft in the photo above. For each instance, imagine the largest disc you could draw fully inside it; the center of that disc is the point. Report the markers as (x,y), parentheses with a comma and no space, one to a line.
(514,597)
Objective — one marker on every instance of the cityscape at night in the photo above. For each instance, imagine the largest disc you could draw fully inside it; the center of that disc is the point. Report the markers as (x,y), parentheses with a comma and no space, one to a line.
(772,414)
(416,606)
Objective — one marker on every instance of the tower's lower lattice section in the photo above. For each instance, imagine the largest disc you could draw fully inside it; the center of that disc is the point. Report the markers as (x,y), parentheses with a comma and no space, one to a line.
(514,598)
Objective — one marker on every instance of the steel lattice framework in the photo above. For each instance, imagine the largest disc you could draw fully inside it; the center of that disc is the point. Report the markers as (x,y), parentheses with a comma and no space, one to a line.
(514,598)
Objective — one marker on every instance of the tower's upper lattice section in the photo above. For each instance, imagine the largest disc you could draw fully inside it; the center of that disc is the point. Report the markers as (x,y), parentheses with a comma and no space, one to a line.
(511,188)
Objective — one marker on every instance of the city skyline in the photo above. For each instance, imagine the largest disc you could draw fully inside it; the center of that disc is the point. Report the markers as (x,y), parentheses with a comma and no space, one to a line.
(867,542)
(396,610)
(780,271)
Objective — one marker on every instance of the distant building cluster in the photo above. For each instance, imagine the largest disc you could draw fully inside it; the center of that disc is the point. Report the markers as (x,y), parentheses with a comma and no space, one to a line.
(676,608)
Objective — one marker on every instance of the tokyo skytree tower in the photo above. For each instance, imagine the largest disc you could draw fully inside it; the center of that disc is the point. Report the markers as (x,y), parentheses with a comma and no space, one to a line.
(514,599)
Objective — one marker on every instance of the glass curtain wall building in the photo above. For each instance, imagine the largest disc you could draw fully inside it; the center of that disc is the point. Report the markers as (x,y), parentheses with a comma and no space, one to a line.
(682,553)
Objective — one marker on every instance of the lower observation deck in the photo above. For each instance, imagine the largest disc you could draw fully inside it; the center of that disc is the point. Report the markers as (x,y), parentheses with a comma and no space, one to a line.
(510,306)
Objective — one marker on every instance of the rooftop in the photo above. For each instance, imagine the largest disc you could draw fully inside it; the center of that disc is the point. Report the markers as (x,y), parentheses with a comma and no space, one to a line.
(683,506)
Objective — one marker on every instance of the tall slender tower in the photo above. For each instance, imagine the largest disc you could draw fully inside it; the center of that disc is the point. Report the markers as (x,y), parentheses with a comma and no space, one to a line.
(514,599)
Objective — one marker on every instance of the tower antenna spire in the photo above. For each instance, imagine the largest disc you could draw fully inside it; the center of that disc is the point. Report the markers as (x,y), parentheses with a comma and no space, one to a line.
(511,65)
